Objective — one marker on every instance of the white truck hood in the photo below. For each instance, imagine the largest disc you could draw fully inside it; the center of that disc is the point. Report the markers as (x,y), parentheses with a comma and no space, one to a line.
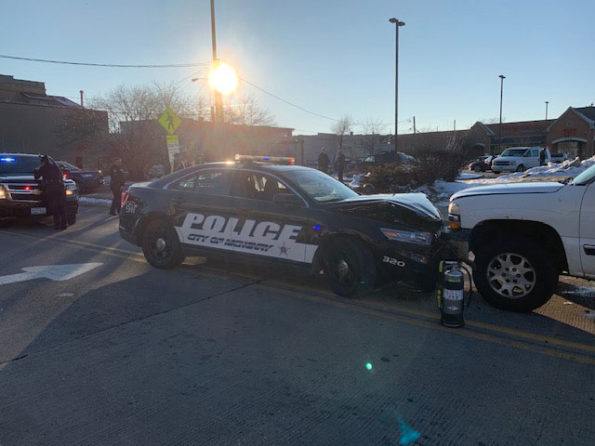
(510,188)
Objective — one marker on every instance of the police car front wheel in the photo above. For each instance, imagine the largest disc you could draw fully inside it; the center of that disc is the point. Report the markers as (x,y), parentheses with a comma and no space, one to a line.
(349,266)
(161,246)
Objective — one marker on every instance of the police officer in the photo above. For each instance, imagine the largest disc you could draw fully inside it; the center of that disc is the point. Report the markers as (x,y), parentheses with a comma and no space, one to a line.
(53,186)
(323,161)
(116,184)
(340,165)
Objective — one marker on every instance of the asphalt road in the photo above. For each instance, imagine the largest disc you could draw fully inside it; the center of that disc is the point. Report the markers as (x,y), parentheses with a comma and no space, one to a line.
(216,353)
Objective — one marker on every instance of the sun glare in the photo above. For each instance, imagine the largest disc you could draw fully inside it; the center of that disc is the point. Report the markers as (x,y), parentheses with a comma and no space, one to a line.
(223,78)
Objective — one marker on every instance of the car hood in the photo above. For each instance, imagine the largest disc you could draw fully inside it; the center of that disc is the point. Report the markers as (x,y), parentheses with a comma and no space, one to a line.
(510,188)
(22,178)
(415,202)
(19,177)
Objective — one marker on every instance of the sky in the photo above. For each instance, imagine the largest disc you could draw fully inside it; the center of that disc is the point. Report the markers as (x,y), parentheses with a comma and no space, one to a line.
(330,57)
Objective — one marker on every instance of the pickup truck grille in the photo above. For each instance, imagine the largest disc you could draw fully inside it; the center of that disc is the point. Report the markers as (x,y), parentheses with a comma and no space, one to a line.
(24,191)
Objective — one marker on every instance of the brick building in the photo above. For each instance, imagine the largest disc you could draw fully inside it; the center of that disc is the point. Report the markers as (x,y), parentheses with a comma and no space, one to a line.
(573,132)
(33,121)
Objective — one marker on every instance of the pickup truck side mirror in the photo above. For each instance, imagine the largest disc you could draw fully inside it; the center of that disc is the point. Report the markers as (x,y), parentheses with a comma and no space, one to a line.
(288,200)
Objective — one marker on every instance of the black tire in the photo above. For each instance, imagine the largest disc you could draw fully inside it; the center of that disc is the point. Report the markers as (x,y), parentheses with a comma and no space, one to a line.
(349,266)
(520,168)
(532,274)
(71,217)
(161,245)
(477,168)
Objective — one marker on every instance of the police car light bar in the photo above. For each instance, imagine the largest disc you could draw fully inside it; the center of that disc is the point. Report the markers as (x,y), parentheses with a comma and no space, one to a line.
(265,159)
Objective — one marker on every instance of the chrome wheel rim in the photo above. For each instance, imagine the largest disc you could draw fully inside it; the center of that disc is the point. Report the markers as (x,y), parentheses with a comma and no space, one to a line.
(511,275)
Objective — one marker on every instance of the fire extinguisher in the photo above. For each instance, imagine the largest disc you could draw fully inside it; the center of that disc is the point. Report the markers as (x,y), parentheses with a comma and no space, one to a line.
(451,293)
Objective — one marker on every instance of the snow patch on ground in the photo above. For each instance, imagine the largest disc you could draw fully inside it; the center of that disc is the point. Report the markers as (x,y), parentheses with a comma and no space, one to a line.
(89,201)
(569,169)
(469,176)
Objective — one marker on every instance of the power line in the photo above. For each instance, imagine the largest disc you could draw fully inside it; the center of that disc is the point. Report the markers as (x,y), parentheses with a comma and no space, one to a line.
(63,62)
(287,102)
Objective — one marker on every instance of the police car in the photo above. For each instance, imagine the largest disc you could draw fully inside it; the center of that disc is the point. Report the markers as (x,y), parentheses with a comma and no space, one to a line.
(267,208)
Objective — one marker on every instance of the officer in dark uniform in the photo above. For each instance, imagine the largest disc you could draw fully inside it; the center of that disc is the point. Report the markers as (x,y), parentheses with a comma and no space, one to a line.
(116,184)
(52,184)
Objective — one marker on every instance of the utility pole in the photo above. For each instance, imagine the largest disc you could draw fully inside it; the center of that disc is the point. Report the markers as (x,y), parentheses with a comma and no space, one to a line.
(398,24)
(217,94)
(546,104)
(502,77)
(82,94)
(414,128)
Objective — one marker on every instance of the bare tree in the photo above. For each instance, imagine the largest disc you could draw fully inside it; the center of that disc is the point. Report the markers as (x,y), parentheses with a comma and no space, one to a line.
(139,103)
(247,112)
(371,134)
(341,127)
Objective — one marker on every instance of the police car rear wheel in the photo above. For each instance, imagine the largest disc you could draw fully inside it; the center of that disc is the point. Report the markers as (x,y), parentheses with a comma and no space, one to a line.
(161,246)
(350,267)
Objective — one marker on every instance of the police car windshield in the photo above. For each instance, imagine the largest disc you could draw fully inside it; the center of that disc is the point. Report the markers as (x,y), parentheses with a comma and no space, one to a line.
(14,164)
(319,186)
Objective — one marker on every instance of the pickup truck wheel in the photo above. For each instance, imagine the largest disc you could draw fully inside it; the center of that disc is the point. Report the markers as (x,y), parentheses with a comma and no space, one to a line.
(349,266)
(515,274)
(521,168)
(161,245)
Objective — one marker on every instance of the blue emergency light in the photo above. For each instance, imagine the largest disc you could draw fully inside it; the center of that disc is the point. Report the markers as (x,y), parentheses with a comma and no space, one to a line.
(7,160)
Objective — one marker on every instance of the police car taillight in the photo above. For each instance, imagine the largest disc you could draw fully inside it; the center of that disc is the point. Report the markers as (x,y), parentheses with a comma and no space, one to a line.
(125,195)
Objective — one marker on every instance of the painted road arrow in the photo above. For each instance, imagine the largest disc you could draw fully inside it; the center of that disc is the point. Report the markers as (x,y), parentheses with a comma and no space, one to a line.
(52,272)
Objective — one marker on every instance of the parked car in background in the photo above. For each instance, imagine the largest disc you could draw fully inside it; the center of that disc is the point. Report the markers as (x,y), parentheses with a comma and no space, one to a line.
(156,171)
(558,158)
(86,180)
(516,159)
(388,157)
(481,164)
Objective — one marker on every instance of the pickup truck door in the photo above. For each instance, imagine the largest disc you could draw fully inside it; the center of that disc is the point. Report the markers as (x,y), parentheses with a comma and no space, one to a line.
(587,231)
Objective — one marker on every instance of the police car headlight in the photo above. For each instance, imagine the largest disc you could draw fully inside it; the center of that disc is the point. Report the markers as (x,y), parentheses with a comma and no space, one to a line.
(4,194)
(418,238)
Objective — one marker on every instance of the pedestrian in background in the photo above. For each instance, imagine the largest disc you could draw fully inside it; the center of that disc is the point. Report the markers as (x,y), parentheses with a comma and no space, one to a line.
(323,161)
(53,187)
(116,184)
(340,165)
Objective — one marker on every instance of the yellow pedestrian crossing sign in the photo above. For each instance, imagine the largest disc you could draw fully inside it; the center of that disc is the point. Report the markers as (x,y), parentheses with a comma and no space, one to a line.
(169,120)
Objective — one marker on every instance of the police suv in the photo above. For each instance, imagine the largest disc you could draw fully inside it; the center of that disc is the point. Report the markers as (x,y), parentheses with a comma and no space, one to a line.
(267,208)
(21,195)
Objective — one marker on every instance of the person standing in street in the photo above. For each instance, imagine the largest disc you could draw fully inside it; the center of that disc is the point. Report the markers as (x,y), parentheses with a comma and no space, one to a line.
(340,165)
(52,184)
(323,161)
(116,184)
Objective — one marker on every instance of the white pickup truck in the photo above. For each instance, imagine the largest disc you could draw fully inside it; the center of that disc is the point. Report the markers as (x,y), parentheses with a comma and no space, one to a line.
(523,235)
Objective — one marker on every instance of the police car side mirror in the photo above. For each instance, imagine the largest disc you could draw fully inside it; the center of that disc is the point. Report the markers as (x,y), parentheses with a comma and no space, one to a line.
(288,200)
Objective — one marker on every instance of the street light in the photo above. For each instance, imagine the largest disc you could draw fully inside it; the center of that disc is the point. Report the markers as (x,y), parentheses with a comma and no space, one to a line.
(397,25)
(546,104)
(502,77)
